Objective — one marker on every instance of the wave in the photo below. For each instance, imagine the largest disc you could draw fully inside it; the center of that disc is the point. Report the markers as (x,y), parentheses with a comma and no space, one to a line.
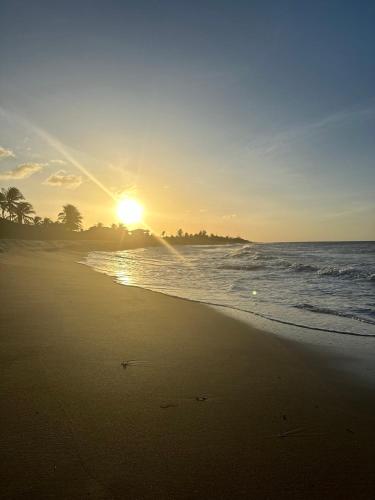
(326,310)
(343,271)
(302,268)
(258,314)
(243,267)
(258,261)
(298,267)
(220,287)
(240,252)
(264,316)
(336,272)
(250,253)
(264,256)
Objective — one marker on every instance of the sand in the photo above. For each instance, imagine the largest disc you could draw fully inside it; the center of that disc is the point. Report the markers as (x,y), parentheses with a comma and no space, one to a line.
(208,407)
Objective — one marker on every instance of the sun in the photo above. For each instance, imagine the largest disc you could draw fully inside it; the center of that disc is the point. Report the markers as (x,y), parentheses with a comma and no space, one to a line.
(129,211)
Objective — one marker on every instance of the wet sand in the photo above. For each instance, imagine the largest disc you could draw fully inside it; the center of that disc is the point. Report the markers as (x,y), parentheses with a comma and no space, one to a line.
(115,392)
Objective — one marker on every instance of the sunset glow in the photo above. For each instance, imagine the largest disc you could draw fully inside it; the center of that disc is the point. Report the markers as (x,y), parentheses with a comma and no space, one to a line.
(129,211)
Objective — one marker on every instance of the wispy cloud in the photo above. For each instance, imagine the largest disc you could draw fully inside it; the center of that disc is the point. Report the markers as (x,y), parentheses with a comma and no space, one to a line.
(229,216)
(6,153)
(269,144)
(63,179)
(23,171)
(57,162)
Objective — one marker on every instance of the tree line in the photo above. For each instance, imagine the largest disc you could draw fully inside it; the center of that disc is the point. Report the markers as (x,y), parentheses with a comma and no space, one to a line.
(18,220)
(15,208)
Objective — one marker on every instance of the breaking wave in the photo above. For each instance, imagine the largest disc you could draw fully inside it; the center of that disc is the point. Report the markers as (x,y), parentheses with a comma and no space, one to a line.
(326,310)
(298,267)
(316,286)
(242,267)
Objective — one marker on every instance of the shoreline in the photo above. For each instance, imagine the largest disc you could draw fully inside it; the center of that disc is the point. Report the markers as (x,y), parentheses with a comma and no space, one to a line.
(238,309)
(348,353)
(210,408)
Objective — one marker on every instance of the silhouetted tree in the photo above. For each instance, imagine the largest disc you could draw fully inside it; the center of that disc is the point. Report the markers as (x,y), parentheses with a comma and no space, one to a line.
(23,211)
(46,221)
(180,233)
(36,220)
(70,217)
(9,199)
(3,203)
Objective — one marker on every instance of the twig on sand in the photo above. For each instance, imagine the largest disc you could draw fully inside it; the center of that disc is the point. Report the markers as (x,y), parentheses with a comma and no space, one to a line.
(292,432)
(131,362)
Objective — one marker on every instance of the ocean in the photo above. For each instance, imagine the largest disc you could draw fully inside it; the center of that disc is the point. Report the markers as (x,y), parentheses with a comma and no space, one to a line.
(319,287)
(321,295)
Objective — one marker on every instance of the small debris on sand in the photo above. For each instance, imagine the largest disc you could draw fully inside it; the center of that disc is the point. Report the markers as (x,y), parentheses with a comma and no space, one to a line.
(201,398)
(291,432)
(131,362)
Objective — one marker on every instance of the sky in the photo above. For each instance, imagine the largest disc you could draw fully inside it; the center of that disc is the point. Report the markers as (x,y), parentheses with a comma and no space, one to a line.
(251,118)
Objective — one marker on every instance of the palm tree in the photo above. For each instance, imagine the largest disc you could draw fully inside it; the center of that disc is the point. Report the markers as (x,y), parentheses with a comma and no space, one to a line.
(23,211)
(46,221)
(9,199)
(71,217)
(2,203)
(37,221)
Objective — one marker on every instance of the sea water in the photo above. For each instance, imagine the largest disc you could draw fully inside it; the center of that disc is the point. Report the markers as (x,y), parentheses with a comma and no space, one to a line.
(314,292)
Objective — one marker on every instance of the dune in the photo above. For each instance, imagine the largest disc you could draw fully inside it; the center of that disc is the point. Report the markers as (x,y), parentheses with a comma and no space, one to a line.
(109,391)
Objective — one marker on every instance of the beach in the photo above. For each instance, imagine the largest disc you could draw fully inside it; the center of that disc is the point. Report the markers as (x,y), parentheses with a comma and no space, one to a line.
(117,392)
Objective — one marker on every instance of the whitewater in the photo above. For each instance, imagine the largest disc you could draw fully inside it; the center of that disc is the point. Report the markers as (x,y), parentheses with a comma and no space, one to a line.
(328,287)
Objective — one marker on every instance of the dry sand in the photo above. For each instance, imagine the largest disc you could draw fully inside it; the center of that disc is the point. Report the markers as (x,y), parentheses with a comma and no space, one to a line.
(210,408)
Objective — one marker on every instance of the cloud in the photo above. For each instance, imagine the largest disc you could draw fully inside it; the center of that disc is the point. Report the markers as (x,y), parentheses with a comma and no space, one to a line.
(23,171)
(63,179)
(57,162)
(229,216)
(6,153)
